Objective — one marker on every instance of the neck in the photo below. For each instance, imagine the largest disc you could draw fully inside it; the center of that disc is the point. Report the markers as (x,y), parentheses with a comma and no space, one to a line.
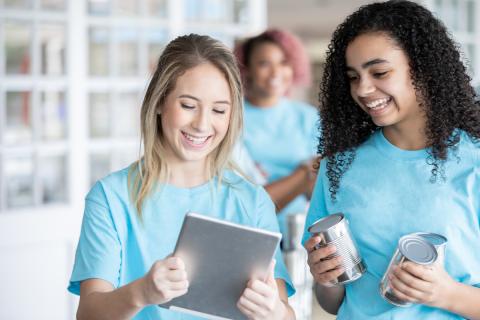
(188,175)
(263,101)
(407,138)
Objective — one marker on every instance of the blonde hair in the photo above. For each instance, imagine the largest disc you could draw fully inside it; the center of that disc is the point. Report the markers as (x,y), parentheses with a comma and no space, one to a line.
(180,55)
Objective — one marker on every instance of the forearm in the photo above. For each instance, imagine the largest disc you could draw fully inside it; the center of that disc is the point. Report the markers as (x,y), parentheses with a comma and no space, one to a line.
(122,303)
(329,298)
(464,300)
(284,190)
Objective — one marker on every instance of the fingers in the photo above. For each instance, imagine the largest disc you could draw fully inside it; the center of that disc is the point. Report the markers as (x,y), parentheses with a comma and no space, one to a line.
(408,287)
(329,276)
(421,272)
(174,263)
(262,288)
(323,265)
(256,304)
(311,243)
(327,265)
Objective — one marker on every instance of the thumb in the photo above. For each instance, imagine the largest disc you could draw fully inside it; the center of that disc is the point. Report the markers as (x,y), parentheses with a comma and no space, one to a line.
(271,274)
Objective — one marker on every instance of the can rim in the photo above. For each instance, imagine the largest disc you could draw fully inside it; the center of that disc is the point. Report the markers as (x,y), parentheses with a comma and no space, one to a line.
(431,258)
(430,235)
(317,227)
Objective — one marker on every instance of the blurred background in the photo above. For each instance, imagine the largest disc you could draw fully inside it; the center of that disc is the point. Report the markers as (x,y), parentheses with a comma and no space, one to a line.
(72,76)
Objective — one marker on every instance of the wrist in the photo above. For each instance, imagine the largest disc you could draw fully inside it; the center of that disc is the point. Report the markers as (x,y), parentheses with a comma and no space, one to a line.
(281,310)
(139,297)
(450,296)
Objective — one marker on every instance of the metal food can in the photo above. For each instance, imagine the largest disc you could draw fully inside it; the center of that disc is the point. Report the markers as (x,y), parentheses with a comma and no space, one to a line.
(438,241)
(413,248)
(334,230)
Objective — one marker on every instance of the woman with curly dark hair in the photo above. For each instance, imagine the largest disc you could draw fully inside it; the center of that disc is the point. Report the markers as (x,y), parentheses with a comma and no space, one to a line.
(400,140)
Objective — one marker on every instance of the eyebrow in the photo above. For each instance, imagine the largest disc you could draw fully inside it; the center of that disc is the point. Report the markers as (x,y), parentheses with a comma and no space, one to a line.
(196,99)
(369,63)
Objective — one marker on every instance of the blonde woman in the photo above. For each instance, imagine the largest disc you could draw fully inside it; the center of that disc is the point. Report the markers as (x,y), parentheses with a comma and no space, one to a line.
(191,118)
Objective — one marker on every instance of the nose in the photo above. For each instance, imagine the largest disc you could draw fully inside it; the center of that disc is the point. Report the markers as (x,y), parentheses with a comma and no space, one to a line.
(364,87)
(202,120)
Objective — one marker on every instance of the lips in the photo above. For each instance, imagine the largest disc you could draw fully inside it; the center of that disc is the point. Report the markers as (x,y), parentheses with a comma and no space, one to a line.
(195,141)
(377,107)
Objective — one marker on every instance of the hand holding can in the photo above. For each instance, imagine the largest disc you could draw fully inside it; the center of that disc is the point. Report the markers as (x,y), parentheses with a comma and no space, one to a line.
(412,248)
(333,231)
(325,271)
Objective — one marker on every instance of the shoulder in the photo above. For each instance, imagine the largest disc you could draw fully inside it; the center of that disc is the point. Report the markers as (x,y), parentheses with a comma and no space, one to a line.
(301,107)
(469,147)
(305,114)
(114,184)
(242,188)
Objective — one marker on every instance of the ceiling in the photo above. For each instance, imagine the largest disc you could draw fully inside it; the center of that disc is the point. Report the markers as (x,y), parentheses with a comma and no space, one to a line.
(312,20)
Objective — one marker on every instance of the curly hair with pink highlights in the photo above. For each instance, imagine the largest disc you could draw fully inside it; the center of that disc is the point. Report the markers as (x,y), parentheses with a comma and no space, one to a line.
(290,45)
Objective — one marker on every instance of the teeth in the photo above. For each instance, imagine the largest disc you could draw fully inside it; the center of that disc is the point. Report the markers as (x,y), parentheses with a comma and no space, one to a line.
(377,104)
(275,82)
(195,140)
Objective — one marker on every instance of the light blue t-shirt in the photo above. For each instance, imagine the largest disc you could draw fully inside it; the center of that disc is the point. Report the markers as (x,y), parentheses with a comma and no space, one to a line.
(279,138)
(385,194)
(115,246)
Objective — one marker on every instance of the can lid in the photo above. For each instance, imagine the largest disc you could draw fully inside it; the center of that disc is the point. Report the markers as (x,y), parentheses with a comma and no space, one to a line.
(434,238)
(417,249)
(325,223)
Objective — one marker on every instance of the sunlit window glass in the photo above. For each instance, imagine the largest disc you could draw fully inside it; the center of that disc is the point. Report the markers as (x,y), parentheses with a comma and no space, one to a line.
(18,124)
(18,4)
(127,51)
(18,174)
(52,47)
(54,115)
(240,11)
(99,166)
(98,51)
(126,7)
(127,115)
(99,7)
(55,5)
(18,38)
(156,43)
(471,16)
(53,178)
(207,10)
(157,8)
(123,158)
(99,115)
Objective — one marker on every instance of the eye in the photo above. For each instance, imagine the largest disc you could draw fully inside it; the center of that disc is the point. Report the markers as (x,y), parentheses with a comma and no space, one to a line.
(187,106)
(352,77)
(219,111)
(379,74)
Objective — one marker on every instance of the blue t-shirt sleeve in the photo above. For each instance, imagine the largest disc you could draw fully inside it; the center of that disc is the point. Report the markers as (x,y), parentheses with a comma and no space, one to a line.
(317,209)
(267,220)
(98,252)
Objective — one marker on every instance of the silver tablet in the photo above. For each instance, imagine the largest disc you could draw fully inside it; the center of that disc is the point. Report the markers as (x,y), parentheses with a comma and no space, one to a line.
(220,257)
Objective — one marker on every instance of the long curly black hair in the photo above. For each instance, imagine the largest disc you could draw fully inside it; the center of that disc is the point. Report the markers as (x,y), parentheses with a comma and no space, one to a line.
(438,75)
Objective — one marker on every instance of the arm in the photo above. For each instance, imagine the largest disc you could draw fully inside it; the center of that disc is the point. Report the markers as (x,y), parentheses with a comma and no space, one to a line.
(324,270)
(166,280)
(329,298)
(433,286)
(300,181)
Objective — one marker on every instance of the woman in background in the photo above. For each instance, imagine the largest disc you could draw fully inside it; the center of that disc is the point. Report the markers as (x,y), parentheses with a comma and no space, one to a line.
(280,133)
